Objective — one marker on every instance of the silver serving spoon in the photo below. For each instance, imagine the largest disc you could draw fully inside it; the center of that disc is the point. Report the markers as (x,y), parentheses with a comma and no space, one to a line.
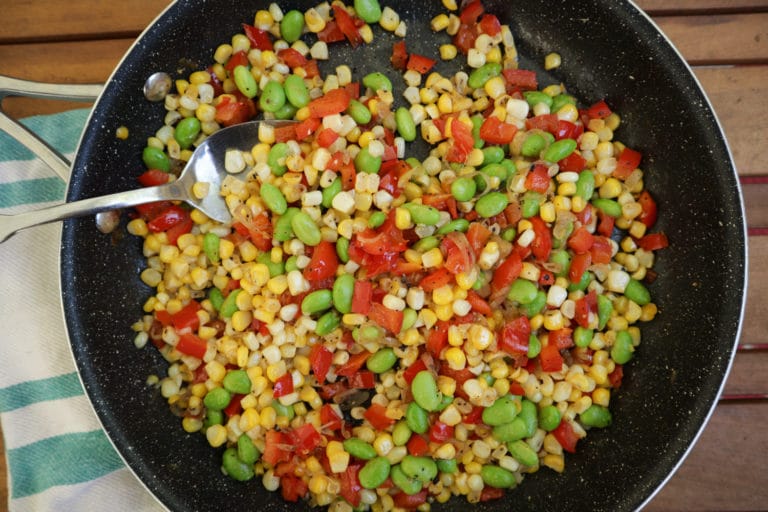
(205,165)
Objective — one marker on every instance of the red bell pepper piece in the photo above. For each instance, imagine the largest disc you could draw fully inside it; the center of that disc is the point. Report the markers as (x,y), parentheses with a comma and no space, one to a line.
(581,240)
(399,58)
(508,271)
(260,39)
(514,336)
(417,445)
(292,58)
(320,359)
(522,78)
(490,24)
(331,33)
(542,241)
(277,447)
(440,432)
(363,379)
(550,358)
(628,161)
(653,242)
(353,364)
(347,25)
(306,438)
(361,297)
(495,131)
(283,386)
(376,415)
(538,179)
(192,345)
(332,102)
(186,317)
(389,319)
(649,209)
(566,436)
(420,63)
(413,370)
(350,485)
(154,177)
(323,263)
(329,419)
(579,265)
(410,501)
(599,110)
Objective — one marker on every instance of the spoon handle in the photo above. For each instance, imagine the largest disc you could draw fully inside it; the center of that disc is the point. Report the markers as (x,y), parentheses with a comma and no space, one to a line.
(10,224)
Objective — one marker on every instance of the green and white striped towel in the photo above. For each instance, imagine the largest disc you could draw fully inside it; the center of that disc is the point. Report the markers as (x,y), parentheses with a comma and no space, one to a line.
(58,457)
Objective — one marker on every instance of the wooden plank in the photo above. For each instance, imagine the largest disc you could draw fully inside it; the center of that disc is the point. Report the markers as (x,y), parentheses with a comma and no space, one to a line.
(756,205)
(46,20)
(748,374)
(678,7)
(719,39)
(756,311)
(726,468)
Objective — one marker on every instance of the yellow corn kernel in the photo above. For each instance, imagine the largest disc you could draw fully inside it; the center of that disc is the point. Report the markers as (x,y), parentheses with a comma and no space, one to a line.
(456,358)
(216,435)
(494,55)
(439,22)
(547,212)
(451,5)
(601,396)
(480,337)
(403,219)
(389,19)
(446,385)
(448,51)
(241,320)
(552,61)
(444,312)
(495,88)
(649,312)
(555,462)
(315,22)
(366,33)
(268,417)
(578,204)
(455,339)
(303,114)
(383,444)
(442,295)
(432,258)
(610,189)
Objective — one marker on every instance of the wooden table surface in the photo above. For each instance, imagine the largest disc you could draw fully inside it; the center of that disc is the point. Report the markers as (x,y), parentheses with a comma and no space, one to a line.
(726,41)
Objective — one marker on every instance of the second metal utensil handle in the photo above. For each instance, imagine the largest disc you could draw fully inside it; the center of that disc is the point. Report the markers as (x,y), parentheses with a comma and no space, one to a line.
(10,224)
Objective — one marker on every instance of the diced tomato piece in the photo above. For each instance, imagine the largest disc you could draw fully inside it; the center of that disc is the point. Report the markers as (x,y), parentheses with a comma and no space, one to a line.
(436,279)
(508,271)
(584,307)
(329,419)
(477,236)
(491,493)
(514,336)
(331,33)
(167,219)
(285,133)
(276,447)
(605,224)
(237,59)
(320,360)
(495,131)
(334,101)
(154,177)
(376,415)
(599,110)
(417,445)
(420,63)
(186,317)
(410,501)
(361,297)
(542,241)
(283,386)
(459,254)
(550,358)
(478,303)
(164,317)
(399,58)
(616,375)
(260,39)
(566,436)
(293,488)
(230,111)
(472,11)
(568,130)
(547,122)
(389,319)
(601,249)
(463,142)
(292,58)
(516,388)
(649,209)
(326,137)
(307,127)
(579,264)
(350,485)
(653,242)
(259,230)
(443,202)
(363,379)
(323,263)
(490,24)
(192,345)
(561,338)
(573,163)
(306,438)
(353,364)
(437,339)
(440,432)
(538,179)
(347,25)
(522,78)
(581,240)
(628,161)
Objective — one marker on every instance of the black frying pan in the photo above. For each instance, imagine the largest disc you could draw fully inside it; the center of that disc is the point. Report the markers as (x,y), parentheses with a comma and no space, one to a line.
(610,50)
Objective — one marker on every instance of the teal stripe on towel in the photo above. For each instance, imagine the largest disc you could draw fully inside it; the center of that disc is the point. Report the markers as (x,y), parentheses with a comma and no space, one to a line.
(34,391)
(41,190)
(61,460)
(62,131)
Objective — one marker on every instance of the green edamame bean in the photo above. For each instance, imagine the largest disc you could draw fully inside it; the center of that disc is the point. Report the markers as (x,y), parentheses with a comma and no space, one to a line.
(493,155)
(342,249)
(479,76)
(622,349)
(359,112)
(368,333)
(447,465)
(273,198)
(327,323)
(477,123)
(330,192)
(283,410)
(503,410)
(563,260)
(523,453)
(276,158)
(245,81)
(272,97)
(495,171)
(213,417)
(498,477)
(155,158)
(509,234)
(229,306)
(377,82)
(305,229)
(246,450)
(416,418)
(216,298)
(401,433)
(480,182)
(491,204)
(534,346)
(187,131)
(406,126)
(461,225)
(560,101)
(316,302)
(559,149)
(291,26)
(530,203)
(423,214)
(535,306)
(533,145)
(445,402)
(549,417)
(343,289)
(585,185)
(276,268)
(217,399)
(237,382)
(409,318)
(234,467)
(522,291)
(406,484)
(211,247)
(596,416)
(637,292)
(582,336)
(586,278)
(356,447)
(376,219)
(535,97)
(296,91)
(421,468)
(511,431)
(608,207)
(382,360)
(463,189)
(368,10)
(287,111)
(604,310)
(425,391)
(283,230)
(374,473)
(529,415)
(365,162)
(426,244)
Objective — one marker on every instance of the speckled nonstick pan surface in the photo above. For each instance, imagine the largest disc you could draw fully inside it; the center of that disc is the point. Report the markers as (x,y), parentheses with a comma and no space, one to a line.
(610,50)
